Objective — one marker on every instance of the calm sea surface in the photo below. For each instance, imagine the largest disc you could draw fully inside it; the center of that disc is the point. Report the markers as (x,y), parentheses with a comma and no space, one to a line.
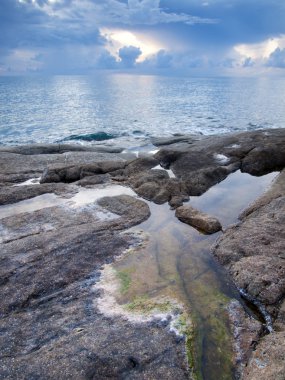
(130,107)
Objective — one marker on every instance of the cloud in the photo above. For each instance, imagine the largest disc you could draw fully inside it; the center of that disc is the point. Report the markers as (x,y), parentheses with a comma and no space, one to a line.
(78,36)
(132,12)
(248,62)
(277,58)
(128,56)
(106,61)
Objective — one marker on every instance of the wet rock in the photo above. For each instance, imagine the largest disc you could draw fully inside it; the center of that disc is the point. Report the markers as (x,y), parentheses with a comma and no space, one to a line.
(50,260)
(246,333)
(151,176)
(93,180)
(268,360)
(155,185)
(207,161)
(126,205)
(198,219)
(263,277)
(206,178)
(75,173)
(140,165)
(265,159)
(252,252)
(15,194)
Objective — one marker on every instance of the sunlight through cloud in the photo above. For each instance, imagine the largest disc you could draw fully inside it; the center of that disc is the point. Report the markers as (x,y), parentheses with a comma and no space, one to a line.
(117,39)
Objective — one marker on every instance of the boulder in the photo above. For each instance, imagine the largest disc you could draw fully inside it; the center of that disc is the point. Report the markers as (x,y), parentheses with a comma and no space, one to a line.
(203,222)
(70,174)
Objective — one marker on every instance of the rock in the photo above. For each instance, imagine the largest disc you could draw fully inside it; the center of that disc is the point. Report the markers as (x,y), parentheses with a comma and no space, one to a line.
(252,252)
(198,219)
(263,277)
(140,165)
(93,180)
(268,360)
(15,194)
(265,159)
(205,179)
(126,205)
(251,249)
(75,173)
(198,165)
(35,149)
(246,333)
(50,262)
(158,141)
(156,175)
(16,168)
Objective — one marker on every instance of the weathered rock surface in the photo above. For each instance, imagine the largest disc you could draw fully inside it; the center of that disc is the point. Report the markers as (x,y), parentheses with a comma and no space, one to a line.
(16,167)
(15,194)
(75,173)
(205,223)
(246,332)
(268,360)
(50,259)
(253,252)
(51,327)
(36,149)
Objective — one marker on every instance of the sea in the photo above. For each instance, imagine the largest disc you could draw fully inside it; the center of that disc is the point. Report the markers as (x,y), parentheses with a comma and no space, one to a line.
(127,110)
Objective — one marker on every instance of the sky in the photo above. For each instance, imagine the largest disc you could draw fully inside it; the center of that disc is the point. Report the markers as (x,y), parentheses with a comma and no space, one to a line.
(176,37)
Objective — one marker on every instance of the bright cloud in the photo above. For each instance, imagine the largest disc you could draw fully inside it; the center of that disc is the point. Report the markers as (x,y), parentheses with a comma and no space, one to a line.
(116,39)
(261,50)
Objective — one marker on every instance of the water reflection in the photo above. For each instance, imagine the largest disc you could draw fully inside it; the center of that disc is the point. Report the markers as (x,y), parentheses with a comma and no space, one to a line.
(177,263)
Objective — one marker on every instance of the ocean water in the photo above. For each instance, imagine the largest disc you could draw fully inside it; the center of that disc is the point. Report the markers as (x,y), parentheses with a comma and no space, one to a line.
(131,108)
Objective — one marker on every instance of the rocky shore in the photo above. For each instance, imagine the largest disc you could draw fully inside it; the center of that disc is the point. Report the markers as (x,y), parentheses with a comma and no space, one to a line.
(52,254)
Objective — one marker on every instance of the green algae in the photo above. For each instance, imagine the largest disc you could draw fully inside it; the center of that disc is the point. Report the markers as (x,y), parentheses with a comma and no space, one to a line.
(125,279)
(145,305)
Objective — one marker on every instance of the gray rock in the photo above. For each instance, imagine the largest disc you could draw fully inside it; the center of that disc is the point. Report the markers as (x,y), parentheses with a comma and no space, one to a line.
(50,260)
(76,173)
(15,194)
(209,160)
(252,252)
(268,360)
(15,168)
(205,223)
(159,141)
(35,149)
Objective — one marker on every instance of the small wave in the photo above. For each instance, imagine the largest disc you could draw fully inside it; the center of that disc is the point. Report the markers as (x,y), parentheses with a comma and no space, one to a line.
(98,136)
